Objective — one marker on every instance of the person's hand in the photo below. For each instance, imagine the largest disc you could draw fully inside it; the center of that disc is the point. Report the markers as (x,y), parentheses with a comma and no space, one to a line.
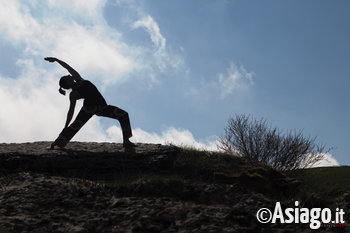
(50,59)
(52,146)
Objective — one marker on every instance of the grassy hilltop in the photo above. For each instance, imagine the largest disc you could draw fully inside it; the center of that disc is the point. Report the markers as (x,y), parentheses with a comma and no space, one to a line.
(101,187)
(323,179)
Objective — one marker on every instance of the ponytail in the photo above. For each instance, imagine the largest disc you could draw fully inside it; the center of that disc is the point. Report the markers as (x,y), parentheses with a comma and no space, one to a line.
(63,92)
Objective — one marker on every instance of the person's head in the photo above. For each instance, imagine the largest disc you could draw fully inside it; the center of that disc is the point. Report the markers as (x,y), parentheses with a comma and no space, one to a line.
(66,82)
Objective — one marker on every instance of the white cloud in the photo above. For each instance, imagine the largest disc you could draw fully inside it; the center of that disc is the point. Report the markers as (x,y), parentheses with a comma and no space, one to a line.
(93,52)
(170,135)
(30,108)
(328,161)
(16,22)
(91,46)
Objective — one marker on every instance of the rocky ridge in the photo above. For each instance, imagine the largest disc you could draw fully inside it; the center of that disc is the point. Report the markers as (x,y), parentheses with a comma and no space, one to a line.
(45,190)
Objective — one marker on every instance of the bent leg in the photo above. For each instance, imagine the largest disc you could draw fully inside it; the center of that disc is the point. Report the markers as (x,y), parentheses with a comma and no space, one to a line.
(68,133)
(119,114)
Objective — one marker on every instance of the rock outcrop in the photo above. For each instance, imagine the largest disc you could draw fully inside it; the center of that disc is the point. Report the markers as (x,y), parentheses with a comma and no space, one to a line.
(84,188)
(91,159)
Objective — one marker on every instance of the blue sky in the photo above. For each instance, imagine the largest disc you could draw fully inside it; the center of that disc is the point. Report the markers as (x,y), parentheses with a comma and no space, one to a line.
(180,68)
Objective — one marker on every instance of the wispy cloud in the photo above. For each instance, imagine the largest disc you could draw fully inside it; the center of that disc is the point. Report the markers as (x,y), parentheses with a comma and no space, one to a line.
(162,55)
(157,38)
(165,57)
(236,78)
(153,29)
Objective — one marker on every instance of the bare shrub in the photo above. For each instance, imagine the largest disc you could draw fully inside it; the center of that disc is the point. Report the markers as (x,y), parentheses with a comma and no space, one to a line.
(255,139)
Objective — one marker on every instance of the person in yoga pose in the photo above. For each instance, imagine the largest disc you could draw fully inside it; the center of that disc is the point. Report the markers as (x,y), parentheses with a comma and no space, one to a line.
(94,104)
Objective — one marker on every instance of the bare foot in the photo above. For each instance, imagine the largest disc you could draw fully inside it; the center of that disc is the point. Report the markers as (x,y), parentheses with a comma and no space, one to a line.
(128,144)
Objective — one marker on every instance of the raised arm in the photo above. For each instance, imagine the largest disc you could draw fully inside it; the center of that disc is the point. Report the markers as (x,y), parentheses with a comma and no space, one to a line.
(76,76)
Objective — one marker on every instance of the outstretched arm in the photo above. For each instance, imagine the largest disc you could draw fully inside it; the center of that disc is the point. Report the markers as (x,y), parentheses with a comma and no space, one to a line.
(76,76)
(73,100)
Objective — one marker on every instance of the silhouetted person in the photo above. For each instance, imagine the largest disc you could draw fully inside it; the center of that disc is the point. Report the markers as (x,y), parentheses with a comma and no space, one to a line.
(94,103)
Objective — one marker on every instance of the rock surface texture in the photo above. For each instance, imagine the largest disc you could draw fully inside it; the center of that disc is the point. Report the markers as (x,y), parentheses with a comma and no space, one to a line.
(40,192)
(91,158)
